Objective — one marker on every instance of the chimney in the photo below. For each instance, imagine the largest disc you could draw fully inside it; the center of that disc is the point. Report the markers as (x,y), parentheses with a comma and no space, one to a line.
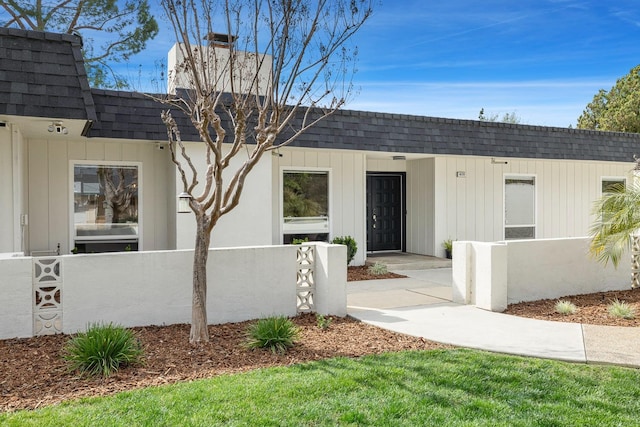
(220,40)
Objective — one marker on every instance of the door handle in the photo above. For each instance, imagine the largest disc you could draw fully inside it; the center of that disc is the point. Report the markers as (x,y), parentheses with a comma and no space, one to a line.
(375,218)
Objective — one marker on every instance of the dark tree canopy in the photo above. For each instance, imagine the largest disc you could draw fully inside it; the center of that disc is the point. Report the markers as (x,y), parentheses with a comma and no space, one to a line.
(111,30)
(615,110)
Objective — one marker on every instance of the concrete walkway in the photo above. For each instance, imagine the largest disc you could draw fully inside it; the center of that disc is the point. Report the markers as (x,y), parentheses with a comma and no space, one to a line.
(420,305)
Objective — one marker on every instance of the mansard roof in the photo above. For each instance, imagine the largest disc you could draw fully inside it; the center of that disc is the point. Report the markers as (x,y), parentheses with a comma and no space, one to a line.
(42,75)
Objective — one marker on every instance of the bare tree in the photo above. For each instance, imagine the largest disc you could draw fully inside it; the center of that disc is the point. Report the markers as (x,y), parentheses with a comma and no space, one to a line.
(271,69)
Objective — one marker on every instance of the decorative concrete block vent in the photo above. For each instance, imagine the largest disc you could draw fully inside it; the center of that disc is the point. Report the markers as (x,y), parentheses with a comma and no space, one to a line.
(305,283)
(47,296)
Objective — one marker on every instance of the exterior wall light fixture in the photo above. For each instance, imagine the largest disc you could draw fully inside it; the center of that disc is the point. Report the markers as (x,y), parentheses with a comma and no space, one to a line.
(58,128)
(183,202)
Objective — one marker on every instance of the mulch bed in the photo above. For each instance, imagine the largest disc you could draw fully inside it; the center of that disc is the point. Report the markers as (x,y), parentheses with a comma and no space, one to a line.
(34,374)
(592,308)
(362,273)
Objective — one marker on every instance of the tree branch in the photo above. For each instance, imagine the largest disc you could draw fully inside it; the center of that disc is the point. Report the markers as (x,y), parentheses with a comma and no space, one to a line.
(18,14)
(173,133)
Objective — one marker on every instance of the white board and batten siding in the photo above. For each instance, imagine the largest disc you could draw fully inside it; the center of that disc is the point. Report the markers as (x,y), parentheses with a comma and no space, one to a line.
(420,206)
(347,196)
(472,207)
(11,179)
(49,198)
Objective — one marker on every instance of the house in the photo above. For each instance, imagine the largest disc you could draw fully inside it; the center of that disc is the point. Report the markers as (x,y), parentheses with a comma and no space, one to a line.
(88,170)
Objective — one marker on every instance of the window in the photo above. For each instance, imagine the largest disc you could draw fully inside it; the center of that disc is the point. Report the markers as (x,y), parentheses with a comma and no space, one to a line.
(105,208)
(610,185)
(519,207)
(305,205)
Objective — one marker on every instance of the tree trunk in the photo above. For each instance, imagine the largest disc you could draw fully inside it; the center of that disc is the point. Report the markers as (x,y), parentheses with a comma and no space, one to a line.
(199,332)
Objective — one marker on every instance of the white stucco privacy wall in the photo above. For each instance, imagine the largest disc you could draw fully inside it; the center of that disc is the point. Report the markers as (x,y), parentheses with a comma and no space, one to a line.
(16,288)
(330,279)
(155,288)
(493,275)
(553,268)
(132,289)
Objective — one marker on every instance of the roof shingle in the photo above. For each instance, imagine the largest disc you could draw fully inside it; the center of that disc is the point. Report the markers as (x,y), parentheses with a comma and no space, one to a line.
(43,75)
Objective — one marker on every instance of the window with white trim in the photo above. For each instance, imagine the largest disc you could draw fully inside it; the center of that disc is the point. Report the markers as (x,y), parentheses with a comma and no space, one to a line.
(519,207)
(305,205)
(611,184)
(105,207)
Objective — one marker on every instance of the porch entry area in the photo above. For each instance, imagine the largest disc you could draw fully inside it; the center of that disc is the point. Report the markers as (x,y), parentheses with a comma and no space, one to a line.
(386,211)
(427,281)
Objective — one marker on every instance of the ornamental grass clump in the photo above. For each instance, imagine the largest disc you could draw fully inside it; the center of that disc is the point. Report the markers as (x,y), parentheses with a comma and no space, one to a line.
(378,269)
(323,322)
(621,309)
(565,307)
(276,333)
(102,349)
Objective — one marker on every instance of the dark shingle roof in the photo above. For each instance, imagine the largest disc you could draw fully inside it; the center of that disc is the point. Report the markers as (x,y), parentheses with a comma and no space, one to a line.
(129,115)
(397,133)
(136,116)
(42,75)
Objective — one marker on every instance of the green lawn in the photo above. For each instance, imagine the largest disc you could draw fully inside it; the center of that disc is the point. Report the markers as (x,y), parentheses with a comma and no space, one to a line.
(447,387)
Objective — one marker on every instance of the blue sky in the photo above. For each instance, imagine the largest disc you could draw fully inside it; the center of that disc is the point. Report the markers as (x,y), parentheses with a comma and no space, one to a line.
(542,59)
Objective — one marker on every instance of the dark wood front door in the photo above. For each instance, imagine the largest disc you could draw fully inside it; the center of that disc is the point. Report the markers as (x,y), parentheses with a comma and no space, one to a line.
(385,212)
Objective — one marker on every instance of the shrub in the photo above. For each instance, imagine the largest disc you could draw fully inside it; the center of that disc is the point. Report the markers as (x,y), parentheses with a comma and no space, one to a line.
(102,349)
(621,309)
(296,241)
(565,307)
(448,248)
(277,333)
(323,322)
(352,246)
(378,269)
